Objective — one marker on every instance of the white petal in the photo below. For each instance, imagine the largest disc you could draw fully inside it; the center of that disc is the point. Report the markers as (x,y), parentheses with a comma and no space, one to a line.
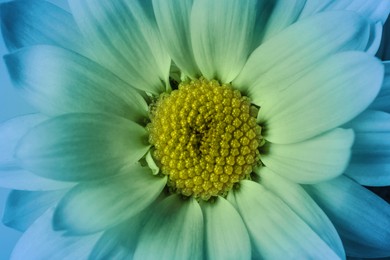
(300,202)
(275,230)
(284,58)
(124,36)
(317,159)
(82,146)
(361,218)
(173,19)
(175,231)
(332,93)
(30,23)
(72,83)
(97,205)
(41,242)
(221,34)
(370,162)
(382,100)
(24,207)
(226,236)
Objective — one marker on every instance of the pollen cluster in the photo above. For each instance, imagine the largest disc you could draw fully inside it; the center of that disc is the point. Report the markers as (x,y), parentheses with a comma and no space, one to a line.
(205,136)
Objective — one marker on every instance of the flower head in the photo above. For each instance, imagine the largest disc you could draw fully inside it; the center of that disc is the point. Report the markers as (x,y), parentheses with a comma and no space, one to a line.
(190,129)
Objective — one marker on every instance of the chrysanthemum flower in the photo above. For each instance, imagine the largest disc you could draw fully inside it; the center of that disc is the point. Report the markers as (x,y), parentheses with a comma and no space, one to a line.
(185,130)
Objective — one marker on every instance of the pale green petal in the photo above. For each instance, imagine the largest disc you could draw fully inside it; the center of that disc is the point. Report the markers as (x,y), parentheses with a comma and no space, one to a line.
(226,236)
(72,83)
(97,205)
(221,34)
(125,39)
(24,207)
(314,160)
(332,93)
(173,20)
(40,241)
(276,231)
(361,218)
(174,231)
(302,204)
(287,56)
(78,147)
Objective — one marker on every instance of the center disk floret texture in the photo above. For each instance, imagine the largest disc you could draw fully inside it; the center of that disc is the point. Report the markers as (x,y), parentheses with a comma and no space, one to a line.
(205,136)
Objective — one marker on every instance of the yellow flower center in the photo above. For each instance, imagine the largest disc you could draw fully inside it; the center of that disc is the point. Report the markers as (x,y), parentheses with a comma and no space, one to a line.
(205,136)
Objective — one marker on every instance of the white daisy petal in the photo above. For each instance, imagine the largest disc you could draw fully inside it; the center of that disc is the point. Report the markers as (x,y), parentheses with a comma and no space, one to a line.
(375,10)
(370,162)
(311,105)
(382,100)
(41,242)
(39,22)
(72,83)
(302,204)
(78,147)
(175,230)
(125,39)
(173,19)
(96,205)
(361,218)
(24,207)
(287,56)
(275,230)
(221,34)
(225,234)
(314,160)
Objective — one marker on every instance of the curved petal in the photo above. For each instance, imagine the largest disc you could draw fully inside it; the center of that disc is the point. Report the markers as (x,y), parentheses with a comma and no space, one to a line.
(30,22)
(41,242)
(175,229)
(77,147)
(370,162)
(226,236)
(173,20)
(361,218)
(302,204)
(274,227)
(287,56)
(374,42)
(221,35)
(124,37)
(315,160)
(72,83)
(382,100)
(375,10)
(24,207)
(332,93)
(97,205)
(11,132)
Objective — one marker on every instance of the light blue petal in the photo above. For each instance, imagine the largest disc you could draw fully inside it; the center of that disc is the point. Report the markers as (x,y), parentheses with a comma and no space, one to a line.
(24,207)
(287,56)
(173,19)
(78,147)
(331,94)
(276,231)
(375,38)
(370,163)
(361,218)
(97,205)
(72,83)
(40,241)
(221,35)
(300,202)
(125,39)
(382,100)
(226,236)
(31,22)
(311,161)
(174,231)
